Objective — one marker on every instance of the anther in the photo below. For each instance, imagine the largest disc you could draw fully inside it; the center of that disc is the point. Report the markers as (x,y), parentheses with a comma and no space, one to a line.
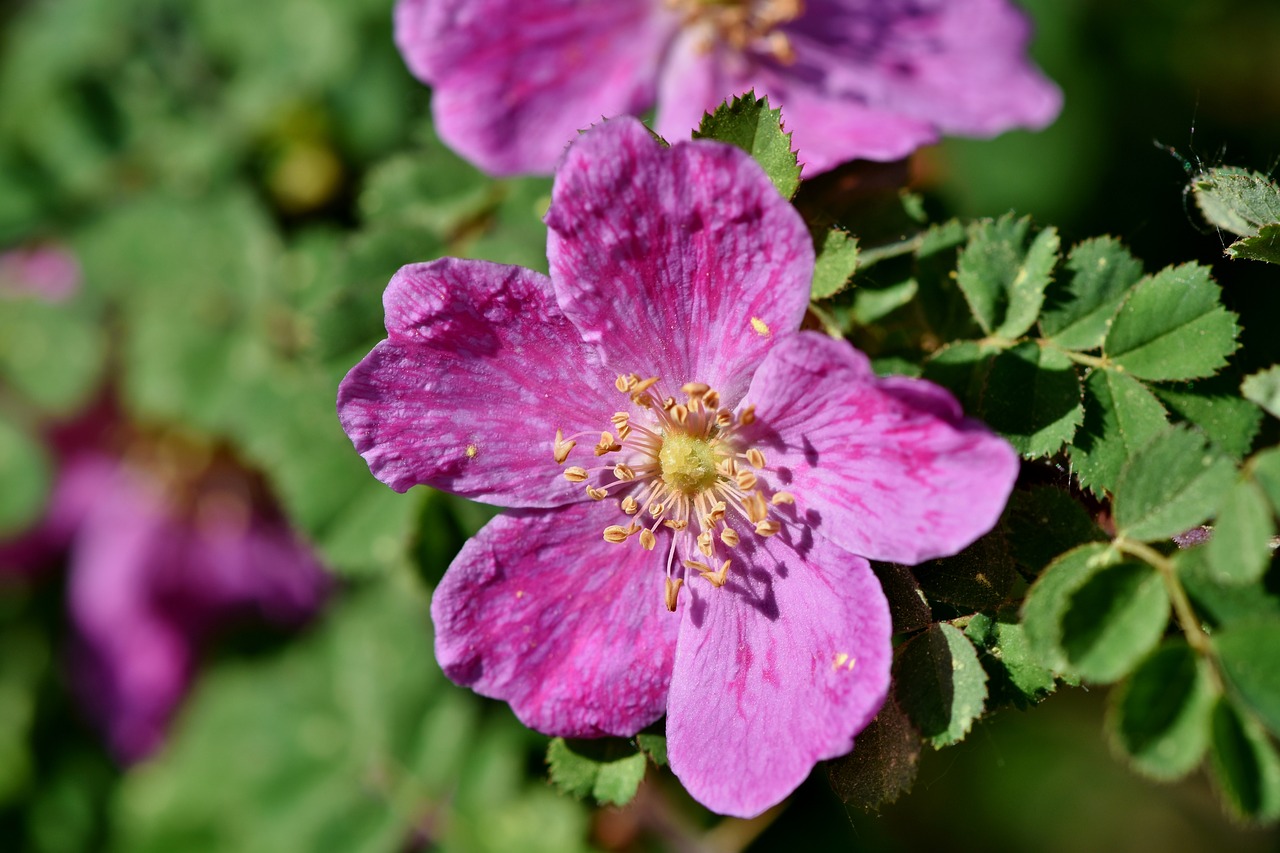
(596,494)
(780,498)
(746,480)
(680,414)
(673,592)
(748,416)
(623,472)
(711,400)
(630,506)
(616,534)
(718,509)
(669,403)
(756,458)
(561,447)
(642,385)
(657,509)
(705,545)
(607,444)
(757,509)
(718,578)
(675,523)
(647,539)
(575,474)
(696,566)
(622,383)
(729,536)
(695,389)
(768,528)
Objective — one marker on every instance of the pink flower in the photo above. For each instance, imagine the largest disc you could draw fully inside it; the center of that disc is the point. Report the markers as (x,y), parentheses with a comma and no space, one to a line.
(668,441)
(514,79)
(46,272)
(166,544)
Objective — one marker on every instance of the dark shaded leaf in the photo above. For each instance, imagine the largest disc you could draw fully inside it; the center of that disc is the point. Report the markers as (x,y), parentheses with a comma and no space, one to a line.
(835,264)
(1159,717)
(883,764)
(1044,523)
(1245,766)
(1249,652)
(1032,398)
(979,577)
(940,684)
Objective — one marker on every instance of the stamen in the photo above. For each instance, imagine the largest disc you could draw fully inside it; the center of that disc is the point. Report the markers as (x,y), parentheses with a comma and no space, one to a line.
(630,506)
(616,534)
(780,498)
(729,536)
(680,414)
(768,528)
(647,539)
(623,472)
(695,389)
(748,416)
(640,386)
(607,444)
(746,480)
(676,524)
(705,544)
(756,508)
(717,579)
(561,447)
(673,592)
(756,458)
(596,494)
(575,474)
(711,400)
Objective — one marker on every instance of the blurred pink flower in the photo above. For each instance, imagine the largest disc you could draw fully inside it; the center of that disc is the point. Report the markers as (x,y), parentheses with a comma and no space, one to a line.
(46,272)
(166,542)
(742,474)
(513,80)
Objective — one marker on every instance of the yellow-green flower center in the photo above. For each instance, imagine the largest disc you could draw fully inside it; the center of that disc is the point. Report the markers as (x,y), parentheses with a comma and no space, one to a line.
(688,463)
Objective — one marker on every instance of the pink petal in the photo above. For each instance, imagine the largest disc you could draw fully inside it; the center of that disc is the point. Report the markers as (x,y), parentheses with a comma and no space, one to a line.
(479,371)
(683,263)
(513,80)
(573,632)
(133,662)
(885,468)
(775,671)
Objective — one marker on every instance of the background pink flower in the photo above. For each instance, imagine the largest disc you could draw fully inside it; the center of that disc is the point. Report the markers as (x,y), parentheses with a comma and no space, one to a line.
(742,472)
(514,80)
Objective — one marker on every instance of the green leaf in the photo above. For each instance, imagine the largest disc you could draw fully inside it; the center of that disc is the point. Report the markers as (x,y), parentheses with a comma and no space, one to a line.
(515,233)
(962,369)
(1220,605)
(654,746)
(608,769)
(884,763)
(1172,326)
(52,354)
(1215,406)
(1004,279)
(1159,717)
(1263,246)
(431,189)
(1032,398)
(1237,200)
(1265,468)
(836,262)
(748,123)
(1263,388)
(1174,483)
(980,576)
(940,684)
(1044,523)
(1120,416)
(1078,312)
(1249,652)
(27,474)
(1245,766)
(1095,614)
(871,304)
(1240,551)
(1017,677)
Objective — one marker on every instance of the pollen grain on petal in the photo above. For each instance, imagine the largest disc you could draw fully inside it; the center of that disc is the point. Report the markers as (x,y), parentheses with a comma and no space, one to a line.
(760,326)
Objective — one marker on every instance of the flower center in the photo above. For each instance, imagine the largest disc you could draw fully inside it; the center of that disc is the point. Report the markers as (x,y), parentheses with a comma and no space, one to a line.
(743,25)
(681,470)
(688,463)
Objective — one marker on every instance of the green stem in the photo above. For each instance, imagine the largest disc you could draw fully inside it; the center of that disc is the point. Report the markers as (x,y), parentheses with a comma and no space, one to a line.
(1187,619)
(874,255)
